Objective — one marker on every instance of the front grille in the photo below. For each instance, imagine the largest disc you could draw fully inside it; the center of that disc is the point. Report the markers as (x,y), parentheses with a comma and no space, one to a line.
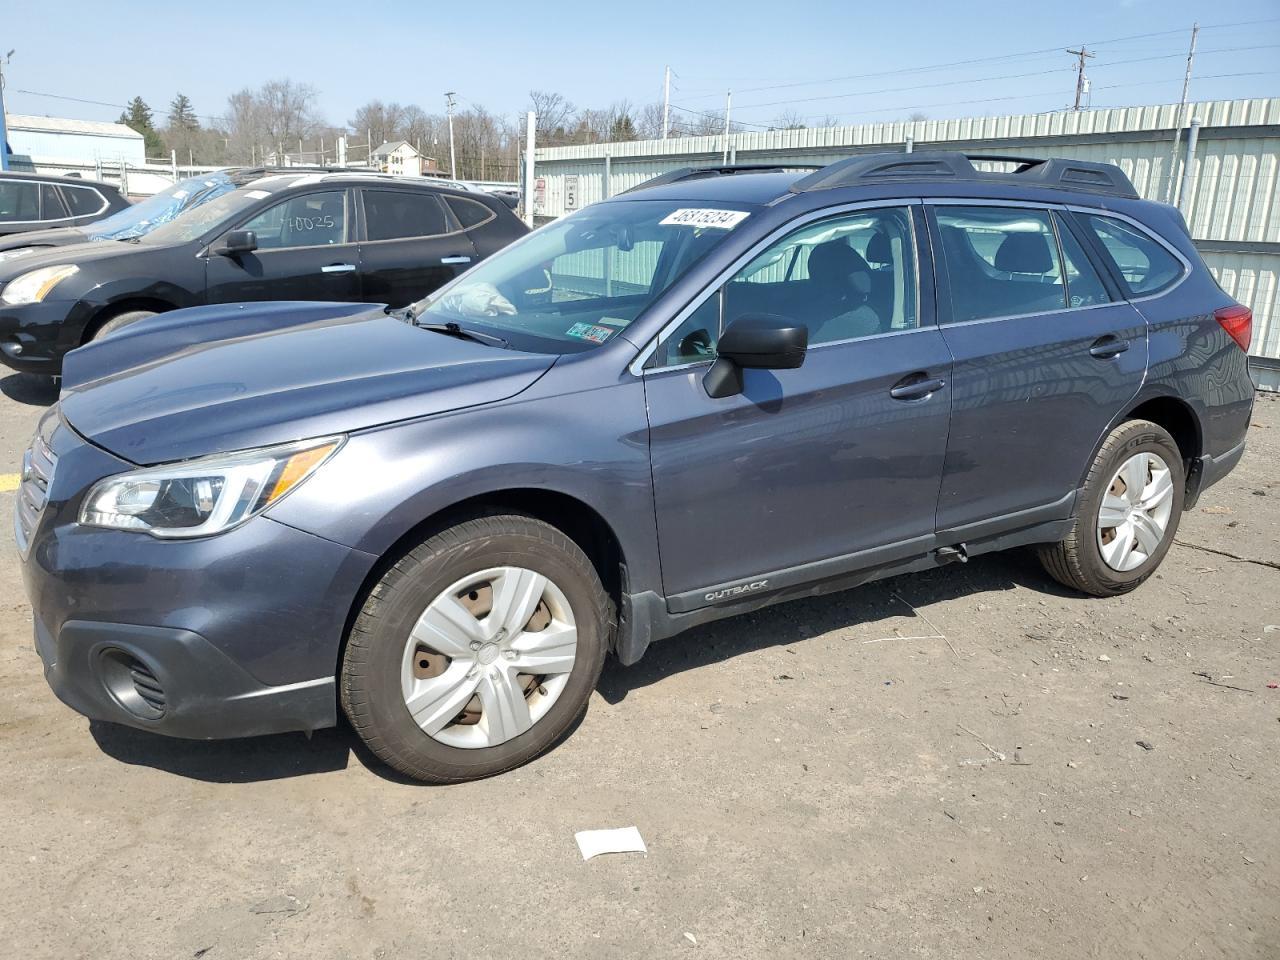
(38,464)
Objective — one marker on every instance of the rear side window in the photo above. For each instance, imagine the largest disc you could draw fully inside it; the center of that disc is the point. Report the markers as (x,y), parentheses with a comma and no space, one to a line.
(19,201)
(84,202)
(1001,262)
(51,207)
(1084,286)
(1146,266)
(395,215)
(470,213)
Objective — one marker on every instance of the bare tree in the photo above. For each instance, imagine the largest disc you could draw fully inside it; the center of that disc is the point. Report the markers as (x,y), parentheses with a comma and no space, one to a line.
(789,120)
(555,116)
(270,119)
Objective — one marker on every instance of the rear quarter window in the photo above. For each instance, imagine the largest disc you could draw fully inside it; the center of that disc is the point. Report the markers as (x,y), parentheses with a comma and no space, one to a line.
(470,213)
(84,201)
(1143,263)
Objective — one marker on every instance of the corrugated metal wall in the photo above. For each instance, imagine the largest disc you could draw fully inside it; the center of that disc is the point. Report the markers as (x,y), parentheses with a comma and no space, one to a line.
(1233,208)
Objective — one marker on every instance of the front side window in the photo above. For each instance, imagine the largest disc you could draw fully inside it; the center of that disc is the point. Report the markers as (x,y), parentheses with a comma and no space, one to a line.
(84,201)
(309,220)
(396,215)
(19,201)
(582,280)
(847,277)
(1145,265)
(850,276)
(1001,262)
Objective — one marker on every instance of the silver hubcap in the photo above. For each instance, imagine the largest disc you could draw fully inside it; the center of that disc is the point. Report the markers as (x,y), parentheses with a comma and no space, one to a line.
(1135,512)
(489,657)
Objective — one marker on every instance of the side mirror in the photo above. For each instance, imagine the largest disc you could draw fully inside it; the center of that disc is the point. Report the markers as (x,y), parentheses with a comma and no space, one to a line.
(756,341)
(237,242)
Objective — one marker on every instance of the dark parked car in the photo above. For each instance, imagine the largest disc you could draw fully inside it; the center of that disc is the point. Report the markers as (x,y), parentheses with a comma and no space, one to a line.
(37,201)
(718,392)
(312,236)
(136,219)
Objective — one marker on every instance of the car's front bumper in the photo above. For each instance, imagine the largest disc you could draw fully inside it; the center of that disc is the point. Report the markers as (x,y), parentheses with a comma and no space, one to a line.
(227,636)
(34,336)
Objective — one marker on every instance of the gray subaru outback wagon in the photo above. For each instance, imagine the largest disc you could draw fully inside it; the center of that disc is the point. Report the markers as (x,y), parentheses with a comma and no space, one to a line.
(724,389)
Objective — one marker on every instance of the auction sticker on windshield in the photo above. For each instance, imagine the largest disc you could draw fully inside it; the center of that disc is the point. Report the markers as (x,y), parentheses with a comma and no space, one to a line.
(692,217)
(589,331)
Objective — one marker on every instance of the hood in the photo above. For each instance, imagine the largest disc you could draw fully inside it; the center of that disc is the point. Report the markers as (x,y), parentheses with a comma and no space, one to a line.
(214,379)
(58,237)
(79,252)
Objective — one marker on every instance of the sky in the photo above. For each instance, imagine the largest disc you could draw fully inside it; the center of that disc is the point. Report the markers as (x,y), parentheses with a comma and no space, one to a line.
(856,62)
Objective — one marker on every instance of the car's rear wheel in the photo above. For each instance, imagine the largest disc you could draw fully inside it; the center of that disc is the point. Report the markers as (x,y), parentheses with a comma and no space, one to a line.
(119,322)
(1127,516)
(477,651)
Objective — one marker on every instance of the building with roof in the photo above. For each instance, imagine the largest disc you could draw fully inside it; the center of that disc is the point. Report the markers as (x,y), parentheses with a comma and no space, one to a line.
(401,157)
(36,139)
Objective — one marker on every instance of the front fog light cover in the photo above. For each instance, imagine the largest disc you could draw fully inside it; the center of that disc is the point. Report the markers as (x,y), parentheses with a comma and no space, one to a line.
(198,498)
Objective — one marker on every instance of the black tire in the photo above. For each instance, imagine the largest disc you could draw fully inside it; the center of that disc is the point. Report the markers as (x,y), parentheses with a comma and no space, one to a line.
(119,322)
(370,685)
(1077,560)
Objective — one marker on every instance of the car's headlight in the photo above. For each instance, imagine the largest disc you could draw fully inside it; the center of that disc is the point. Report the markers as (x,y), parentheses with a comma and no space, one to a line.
(197,498)
(35,286)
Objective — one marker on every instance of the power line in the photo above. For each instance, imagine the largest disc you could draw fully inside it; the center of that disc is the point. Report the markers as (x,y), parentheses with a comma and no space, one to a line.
(102,103)
(990,79)
(977,60)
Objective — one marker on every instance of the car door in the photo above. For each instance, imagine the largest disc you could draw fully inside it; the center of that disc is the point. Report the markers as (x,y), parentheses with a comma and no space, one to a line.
(306,251)
(812,472)
(1046,356)
(411,246)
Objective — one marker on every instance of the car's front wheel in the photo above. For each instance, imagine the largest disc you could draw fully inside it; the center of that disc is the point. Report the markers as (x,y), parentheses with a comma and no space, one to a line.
(477,651)
(1127,515)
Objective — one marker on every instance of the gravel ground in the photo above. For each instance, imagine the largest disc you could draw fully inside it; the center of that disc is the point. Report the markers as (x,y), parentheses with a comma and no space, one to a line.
(966,763)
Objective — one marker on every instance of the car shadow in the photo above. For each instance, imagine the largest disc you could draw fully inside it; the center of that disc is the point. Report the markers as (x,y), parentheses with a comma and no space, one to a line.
(282,756)
(29,388)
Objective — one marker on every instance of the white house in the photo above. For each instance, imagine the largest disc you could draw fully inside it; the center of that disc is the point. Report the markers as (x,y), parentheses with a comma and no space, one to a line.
(400,157)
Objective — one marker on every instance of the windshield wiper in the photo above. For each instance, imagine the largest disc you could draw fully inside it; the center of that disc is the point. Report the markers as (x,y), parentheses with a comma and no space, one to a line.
(451,329)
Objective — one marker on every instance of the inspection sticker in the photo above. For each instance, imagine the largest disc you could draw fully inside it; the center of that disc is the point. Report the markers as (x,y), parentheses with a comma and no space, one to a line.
(719,219)
(589,331)
(258,194)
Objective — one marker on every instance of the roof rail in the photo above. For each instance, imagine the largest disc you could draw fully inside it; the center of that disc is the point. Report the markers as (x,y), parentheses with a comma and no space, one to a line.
(701,173)
(1057,173)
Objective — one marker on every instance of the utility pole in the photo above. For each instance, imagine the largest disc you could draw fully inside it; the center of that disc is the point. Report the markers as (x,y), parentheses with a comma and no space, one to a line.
(666,102)
(1082,53)
(728,109)
(1182,113)
(453,157)
(4,130)
(530,142)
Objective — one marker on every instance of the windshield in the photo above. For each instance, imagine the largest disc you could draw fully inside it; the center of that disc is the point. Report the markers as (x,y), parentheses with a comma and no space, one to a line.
(197,222)
(145,215)
(581,280)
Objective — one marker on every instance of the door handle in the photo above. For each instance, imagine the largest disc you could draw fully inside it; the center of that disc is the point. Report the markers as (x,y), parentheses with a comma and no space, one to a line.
(455,259)
(1104,348)
(917,386)
(338,268)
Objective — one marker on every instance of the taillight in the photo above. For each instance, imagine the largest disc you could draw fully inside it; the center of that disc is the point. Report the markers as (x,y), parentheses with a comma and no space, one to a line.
(1237,320)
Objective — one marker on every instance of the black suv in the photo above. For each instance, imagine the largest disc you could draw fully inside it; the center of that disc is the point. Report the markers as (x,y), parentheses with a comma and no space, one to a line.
(35,201)
(315,236)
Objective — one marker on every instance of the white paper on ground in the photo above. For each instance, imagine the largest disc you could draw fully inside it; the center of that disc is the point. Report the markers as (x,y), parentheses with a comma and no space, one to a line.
(592,843)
